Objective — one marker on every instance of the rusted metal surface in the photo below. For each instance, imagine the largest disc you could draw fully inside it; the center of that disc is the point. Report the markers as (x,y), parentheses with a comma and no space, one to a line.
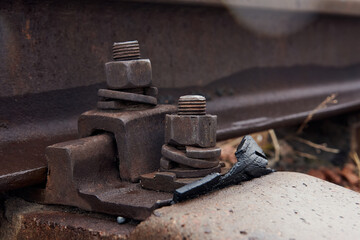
(163,181)
(126,50)
(127,77)
(139,129)
(108,105)
(166,164)
(252,81)
(178,156)
(121,105)
(196,152)
(191,130)
(25,220)
(128,74)
(277,97)
(192,105)
(60,53)
(188,172)
(84,173)
(139,135)
(126,96)
(30,124)
(297,110)
(99,171)
(189,127)
(49,225)
(151,91)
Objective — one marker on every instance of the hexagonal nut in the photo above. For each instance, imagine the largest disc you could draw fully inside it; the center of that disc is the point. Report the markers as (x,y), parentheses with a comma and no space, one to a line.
(128,74)
(191,130)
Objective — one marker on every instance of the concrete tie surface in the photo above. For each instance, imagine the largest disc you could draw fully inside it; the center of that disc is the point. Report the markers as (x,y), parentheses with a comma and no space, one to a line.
(282,205)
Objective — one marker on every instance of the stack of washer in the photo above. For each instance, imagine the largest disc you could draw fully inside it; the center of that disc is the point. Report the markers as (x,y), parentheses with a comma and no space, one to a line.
(190,137)
(128,78)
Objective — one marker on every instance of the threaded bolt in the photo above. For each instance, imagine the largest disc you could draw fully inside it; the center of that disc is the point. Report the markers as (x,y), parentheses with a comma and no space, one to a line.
(192,105)
(126,50)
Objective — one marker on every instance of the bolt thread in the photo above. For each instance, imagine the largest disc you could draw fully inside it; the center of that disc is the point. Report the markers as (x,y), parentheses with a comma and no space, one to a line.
(126,50)
(192,105)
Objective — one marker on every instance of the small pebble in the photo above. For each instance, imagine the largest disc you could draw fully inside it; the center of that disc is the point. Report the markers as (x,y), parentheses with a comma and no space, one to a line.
(120,220)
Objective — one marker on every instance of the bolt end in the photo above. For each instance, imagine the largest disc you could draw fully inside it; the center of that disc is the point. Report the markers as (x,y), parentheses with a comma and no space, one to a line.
(126,50)
(192,105)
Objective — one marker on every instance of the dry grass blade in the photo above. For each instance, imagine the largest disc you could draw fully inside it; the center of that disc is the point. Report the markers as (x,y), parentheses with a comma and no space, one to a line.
(329,100)
(306,155)
(356,159)
(322,147)
(276,145)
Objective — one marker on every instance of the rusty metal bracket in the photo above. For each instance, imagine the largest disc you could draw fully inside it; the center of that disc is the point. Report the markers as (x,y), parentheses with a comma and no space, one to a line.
(139,135)
(84,173)
(100,171)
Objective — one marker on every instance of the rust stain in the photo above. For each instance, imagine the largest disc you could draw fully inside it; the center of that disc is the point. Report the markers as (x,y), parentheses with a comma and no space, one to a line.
(99,52)
(13,63)
(26,31)
(19,79)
